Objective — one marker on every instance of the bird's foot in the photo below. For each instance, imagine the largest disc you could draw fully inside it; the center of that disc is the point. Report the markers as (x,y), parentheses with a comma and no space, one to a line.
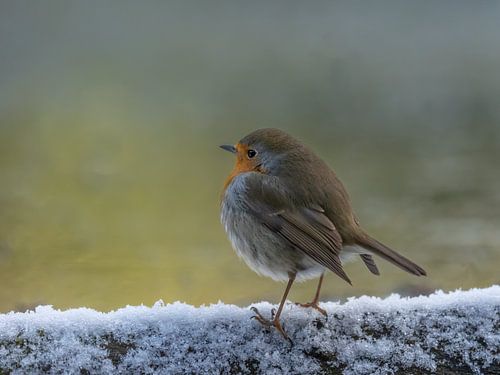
(315,306)
(274,322)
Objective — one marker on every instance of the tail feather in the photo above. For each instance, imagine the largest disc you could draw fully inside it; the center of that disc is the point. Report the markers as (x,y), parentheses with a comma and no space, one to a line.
(378,248)
(370,263)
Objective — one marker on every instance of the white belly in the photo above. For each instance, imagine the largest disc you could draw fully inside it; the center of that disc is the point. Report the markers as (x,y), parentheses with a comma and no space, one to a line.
(263,251)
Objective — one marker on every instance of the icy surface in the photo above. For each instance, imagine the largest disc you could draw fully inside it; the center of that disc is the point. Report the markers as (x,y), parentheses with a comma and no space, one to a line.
(365,335)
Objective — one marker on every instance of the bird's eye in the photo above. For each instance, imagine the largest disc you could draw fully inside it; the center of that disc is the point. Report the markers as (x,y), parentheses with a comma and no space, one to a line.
(251,153)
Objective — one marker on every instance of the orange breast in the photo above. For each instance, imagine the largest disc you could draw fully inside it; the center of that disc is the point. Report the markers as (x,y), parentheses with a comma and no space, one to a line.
(243,164)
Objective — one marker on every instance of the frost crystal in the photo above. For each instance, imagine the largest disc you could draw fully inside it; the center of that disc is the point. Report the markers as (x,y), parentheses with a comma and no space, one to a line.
(365,335)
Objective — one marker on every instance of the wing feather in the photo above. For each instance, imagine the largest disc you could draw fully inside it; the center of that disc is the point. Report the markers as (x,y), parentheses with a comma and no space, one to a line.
(306,228)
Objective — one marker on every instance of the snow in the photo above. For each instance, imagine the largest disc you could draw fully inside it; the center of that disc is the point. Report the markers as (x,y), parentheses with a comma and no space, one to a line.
(365,335)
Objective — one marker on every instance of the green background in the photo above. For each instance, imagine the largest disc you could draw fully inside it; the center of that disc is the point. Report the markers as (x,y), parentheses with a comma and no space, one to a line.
(111,114)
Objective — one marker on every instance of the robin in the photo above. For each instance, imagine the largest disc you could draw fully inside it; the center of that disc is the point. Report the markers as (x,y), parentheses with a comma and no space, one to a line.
(290,218)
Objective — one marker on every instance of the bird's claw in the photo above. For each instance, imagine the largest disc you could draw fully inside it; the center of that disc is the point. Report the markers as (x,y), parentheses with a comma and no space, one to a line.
(258,317)
(315,306)
(270,323)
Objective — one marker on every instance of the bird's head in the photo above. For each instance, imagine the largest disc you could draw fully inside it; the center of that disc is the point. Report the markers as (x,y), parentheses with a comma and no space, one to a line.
(264,151)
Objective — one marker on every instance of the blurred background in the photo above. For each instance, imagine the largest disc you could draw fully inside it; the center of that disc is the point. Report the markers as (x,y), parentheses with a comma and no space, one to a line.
(111,114)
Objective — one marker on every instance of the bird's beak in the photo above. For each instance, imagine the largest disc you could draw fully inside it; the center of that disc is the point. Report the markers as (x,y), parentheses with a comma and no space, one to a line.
(229,148)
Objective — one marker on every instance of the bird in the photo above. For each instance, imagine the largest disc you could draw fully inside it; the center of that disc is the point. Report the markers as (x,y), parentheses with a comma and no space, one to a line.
(290,218)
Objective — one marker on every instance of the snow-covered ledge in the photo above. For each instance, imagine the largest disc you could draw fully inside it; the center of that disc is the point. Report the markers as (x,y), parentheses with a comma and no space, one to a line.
(456,332)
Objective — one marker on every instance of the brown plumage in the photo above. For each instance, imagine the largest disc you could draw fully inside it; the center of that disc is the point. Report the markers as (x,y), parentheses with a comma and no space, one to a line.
(289,216)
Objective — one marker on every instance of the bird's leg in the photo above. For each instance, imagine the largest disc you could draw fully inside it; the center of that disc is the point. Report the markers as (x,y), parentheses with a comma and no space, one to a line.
(275,322)
(314,303)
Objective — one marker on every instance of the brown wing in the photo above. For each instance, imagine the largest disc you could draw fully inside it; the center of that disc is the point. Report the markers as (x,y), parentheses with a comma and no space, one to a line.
(305,228)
